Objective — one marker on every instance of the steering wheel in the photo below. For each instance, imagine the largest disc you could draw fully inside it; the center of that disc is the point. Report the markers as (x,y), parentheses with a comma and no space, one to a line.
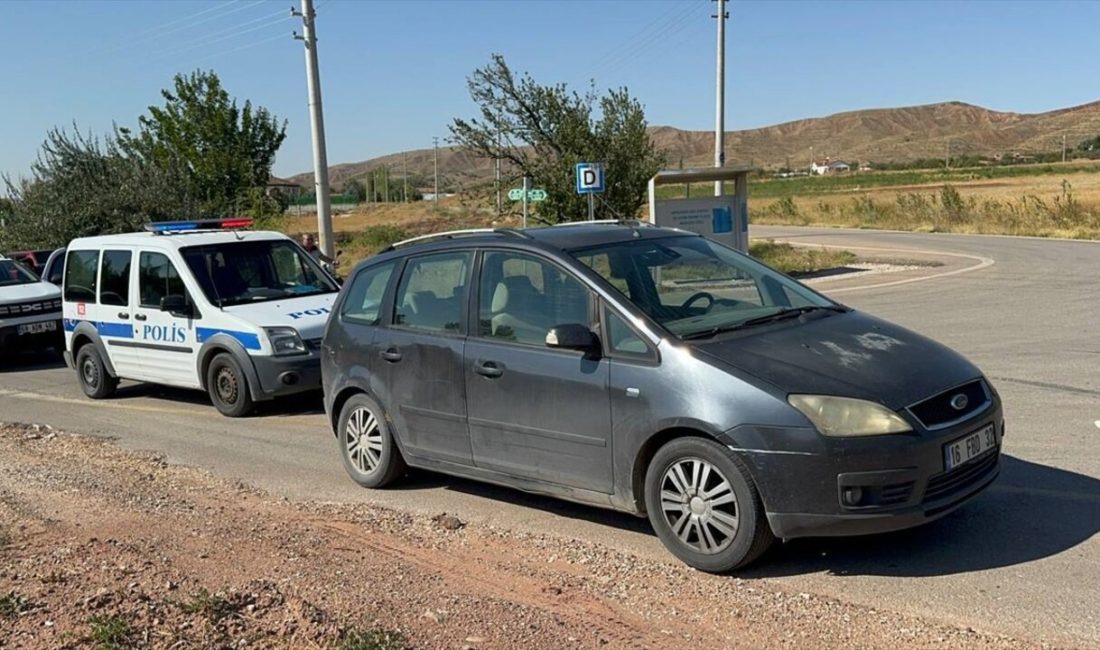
(698,296)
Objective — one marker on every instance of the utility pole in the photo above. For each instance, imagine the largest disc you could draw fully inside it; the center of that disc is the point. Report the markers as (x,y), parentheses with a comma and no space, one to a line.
(404,177)
(385,183)
(500,197)
(317,124)
(812,160)
(720,104)
(1063,147)
(947,155)
(435,166)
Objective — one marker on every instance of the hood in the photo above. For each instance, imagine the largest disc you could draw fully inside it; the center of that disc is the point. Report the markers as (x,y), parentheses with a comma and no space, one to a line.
(308,314)
(17,293)
(849,354)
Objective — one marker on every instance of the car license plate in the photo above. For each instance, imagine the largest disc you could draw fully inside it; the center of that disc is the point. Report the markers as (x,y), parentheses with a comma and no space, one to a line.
(969,447)
(37,328)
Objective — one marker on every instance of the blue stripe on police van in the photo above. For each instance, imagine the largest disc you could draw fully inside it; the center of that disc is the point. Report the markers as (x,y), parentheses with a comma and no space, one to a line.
(249,340)
(69,324)
(119,330)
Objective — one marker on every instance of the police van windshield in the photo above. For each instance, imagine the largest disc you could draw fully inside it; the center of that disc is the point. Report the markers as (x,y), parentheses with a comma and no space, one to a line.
(243,272)
(12,273)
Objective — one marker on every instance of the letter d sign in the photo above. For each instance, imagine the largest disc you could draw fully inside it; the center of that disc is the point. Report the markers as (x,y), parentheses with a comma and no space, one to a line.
(589,178)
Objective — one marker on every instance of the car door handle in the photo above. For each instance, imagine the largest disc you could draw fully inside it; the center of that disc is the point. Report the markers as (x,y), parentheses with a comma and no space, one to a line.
(391,355)
(140,317)
(123,315)
(489,369)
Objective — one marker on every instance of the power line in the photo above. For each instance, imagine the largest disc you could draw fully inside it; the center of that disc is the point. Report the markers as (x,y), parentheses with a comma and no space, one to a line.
(185,18)
(641,34)
(664,32)
(269,39)
(161,34)
(230,33)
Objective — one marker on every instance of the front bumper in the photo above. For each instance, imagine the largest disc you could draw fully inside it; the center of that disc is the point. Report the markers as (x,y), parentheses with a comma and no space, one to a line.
(803,479)
(287,375)
(12,340)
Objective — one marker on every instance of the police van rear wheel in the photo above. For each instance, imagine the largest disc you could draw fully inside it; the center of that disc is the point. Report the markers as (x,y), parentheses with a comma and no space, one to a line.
(228,387)
(95,381)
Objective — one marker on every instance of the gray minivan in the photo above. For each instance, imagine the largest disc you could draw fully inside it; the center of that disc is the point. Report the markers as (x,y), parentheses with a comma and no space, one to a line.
(652,371)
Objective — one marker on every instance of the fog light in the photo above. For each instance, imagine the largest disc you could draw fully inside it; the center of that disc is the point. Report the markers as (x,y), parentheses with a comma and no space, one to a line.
(851,496)
(289,378)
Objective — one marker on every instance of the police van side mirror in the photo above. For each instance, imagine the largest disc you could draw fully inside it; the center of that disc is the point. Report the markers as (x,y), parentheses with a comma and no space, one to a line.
(175,304)
(55,278)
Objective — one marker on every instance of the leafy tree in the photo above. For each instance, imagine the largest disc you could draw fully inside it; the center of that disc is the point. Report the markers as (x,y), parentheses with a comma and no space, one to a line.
(81,186)
(355,189)
(225,150)
(544,131)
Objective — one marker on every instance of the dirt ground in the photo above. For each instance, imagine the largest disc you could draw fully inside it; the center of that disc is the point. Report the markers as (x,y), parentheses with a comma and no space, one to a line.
(103,548)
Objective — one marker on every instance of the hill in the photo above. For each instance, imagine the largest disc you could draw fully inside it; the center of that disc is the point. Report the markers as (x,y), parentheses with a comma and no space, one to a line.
(877,135)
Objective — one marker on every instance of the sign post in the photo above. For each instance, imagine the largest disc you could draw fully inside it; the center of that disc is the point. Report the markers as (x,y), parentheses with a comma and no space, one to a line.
(590,181)
(526,193)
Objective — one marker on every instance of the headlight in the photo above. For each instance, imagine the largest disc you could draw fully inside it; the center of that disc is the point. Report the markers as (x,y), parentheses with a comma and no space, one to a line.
(844,416)
(285,340)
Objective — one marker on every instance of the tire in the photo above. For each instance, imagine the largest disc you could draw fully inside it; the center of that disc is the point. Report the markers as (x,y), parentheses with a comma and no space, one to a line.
(375,465)
(95,381)
(716,533)
(228,386)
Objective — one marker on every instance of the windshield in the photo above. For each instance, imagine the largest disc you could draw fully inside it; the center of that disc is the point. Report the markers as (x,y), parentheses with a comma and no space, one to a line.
(236,273)
(12,273)
(691,285)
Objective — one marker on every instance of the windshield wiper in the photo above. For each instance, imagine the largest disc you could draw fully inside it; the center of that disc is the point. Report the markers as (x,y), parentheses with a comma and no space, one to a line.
(782,314)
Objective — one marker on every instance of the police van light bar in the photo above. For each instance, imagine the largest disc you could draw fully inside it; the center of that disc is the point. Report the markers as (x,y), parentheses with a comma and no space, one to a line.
(203,224)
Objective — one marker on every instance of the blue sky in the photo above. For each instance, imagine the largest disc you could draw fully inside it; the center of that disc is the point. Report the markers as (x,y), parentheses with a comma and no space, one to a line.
(394,72)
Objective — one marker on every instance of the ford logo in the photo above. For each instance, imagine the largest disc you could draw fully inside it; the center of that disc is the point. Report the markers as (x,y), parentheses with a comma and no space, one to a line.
(959,402)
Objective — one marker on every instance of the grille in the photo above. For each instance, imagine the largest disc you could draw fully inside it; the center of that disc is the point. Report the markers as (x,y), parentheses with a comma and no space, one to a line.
(936,412)
(944,485)
(32,308)
(313,344)
(894,494)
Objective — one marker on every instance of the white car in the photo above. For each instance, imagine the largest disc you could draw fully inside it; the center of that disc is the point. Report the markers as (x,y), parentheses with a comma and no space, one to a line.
(202,305)
(30,310)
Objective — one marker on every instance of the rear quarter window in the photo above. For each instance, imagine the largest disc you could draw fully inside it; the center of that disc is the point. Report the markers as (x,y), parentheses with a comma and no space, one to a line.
(80,276)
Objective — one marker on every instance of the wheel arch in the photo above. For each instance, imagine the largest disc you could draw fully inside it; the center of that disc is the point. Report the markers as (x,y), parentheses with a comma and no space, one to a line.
(342,396)
(223,344)
(86,334)
(649,449)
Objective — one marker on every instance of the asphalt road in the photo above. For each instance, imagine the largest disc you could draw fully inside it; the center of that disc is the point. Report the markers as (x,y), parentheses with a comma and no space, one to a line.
(1023,559)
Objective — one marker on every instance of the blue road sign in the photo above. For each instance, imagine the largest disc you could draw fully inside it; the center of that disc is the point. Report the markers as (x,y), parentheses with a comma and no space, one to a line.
(589,178)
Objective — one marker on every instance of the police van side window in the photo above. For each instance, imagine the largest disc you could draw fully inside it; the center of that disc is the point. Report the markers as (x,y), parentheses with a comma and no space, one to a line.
(114,278)
(80,276)
(364,302)
(157,278)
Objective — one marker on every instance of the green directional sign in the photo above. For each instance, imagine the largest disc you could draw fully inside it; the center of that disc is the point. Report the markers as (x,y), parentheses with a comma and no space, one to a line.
(532,195)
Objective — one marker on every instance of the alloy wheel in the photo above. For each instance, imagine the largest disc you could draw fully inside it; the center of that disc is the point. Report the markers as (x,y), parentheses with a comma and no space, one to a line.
(699,505)
(363,440)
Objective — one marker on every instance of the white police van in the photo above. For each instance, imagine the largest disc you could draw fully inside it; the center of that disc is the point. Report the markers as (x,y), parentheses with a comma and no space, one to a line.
(30,310)
(196,304)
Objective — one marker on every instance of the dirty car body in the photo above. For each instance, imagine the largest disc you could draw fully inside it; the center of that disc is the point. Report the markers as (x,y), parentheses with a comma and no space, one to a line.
(716,395)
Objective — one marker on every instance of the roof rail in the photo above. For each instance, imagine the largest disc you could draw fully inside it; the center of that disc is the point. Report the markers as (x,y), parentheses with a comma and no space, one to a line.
(637,223)
(451,234)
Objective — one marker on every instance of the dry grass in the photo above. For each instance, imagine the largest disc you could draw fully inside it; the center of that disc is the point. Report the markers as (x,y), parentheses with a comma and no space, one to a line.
(1044,206)
(791,259)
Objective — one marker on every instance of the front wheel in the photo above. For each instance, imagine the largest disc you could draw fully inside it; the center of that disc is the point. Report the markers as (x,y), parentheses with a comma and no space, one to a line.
(95,381)
(367,447)
(704,506)
(228,387)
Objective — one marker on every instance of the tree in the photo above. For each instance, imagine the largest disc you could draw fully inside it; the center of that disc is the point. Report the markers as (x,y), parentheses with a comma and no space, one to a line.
(544,131)
(225,151)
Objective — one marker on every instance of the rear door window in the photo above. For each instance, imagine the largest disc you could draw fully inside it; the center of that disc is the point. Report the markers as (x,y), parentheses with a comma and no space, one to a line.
(80,276)
(432,293)
(364,301)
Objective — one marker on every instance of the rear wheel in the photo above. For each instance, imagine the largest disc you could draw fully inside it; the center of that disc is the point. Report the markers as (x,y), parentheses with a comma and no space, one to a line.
(228,386)
(704,506)
(367,447)
(95,381)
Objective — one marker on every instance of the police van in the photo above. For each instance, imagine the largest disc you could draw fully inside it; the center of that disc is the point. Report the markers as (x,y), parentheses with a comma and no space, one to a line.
(207,305)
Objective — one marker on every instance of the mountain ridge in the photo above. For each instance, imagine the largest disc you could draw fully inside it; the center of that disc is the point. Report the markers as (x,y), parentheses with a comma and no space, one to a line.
(874,134)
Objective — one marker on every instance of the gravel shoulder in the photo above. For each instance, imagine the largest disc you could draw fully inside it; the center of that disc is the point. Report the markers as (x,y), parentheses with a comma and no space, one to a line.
(101,547)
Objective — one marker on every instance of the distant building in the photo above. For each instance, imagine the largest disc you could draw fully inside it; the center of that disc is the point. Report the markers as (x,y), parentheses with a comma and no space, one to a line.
(289,189)
(838,167)
(820,168)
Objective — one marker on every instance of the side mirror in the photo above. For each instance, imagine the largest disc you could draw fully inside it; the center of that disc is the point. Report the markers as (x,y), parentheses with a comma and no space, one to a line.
(55,278)
(572,336)
(175,304)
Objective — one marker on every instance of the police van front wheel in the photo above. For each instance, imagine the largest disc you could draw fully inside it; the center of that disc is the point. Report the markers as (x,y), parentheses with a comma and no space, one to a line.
(228,387)
(95,381)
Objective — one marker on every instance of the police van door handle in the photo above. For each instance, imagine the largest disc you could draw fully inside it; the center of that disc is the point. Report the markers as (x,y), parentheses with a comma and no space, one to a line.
(140,317)
(391,355)
(123,315)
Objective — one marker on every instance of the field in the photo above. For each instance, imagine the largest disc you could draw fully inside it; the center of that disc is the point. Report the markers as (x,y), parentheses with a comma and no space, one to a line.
(1051,201)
